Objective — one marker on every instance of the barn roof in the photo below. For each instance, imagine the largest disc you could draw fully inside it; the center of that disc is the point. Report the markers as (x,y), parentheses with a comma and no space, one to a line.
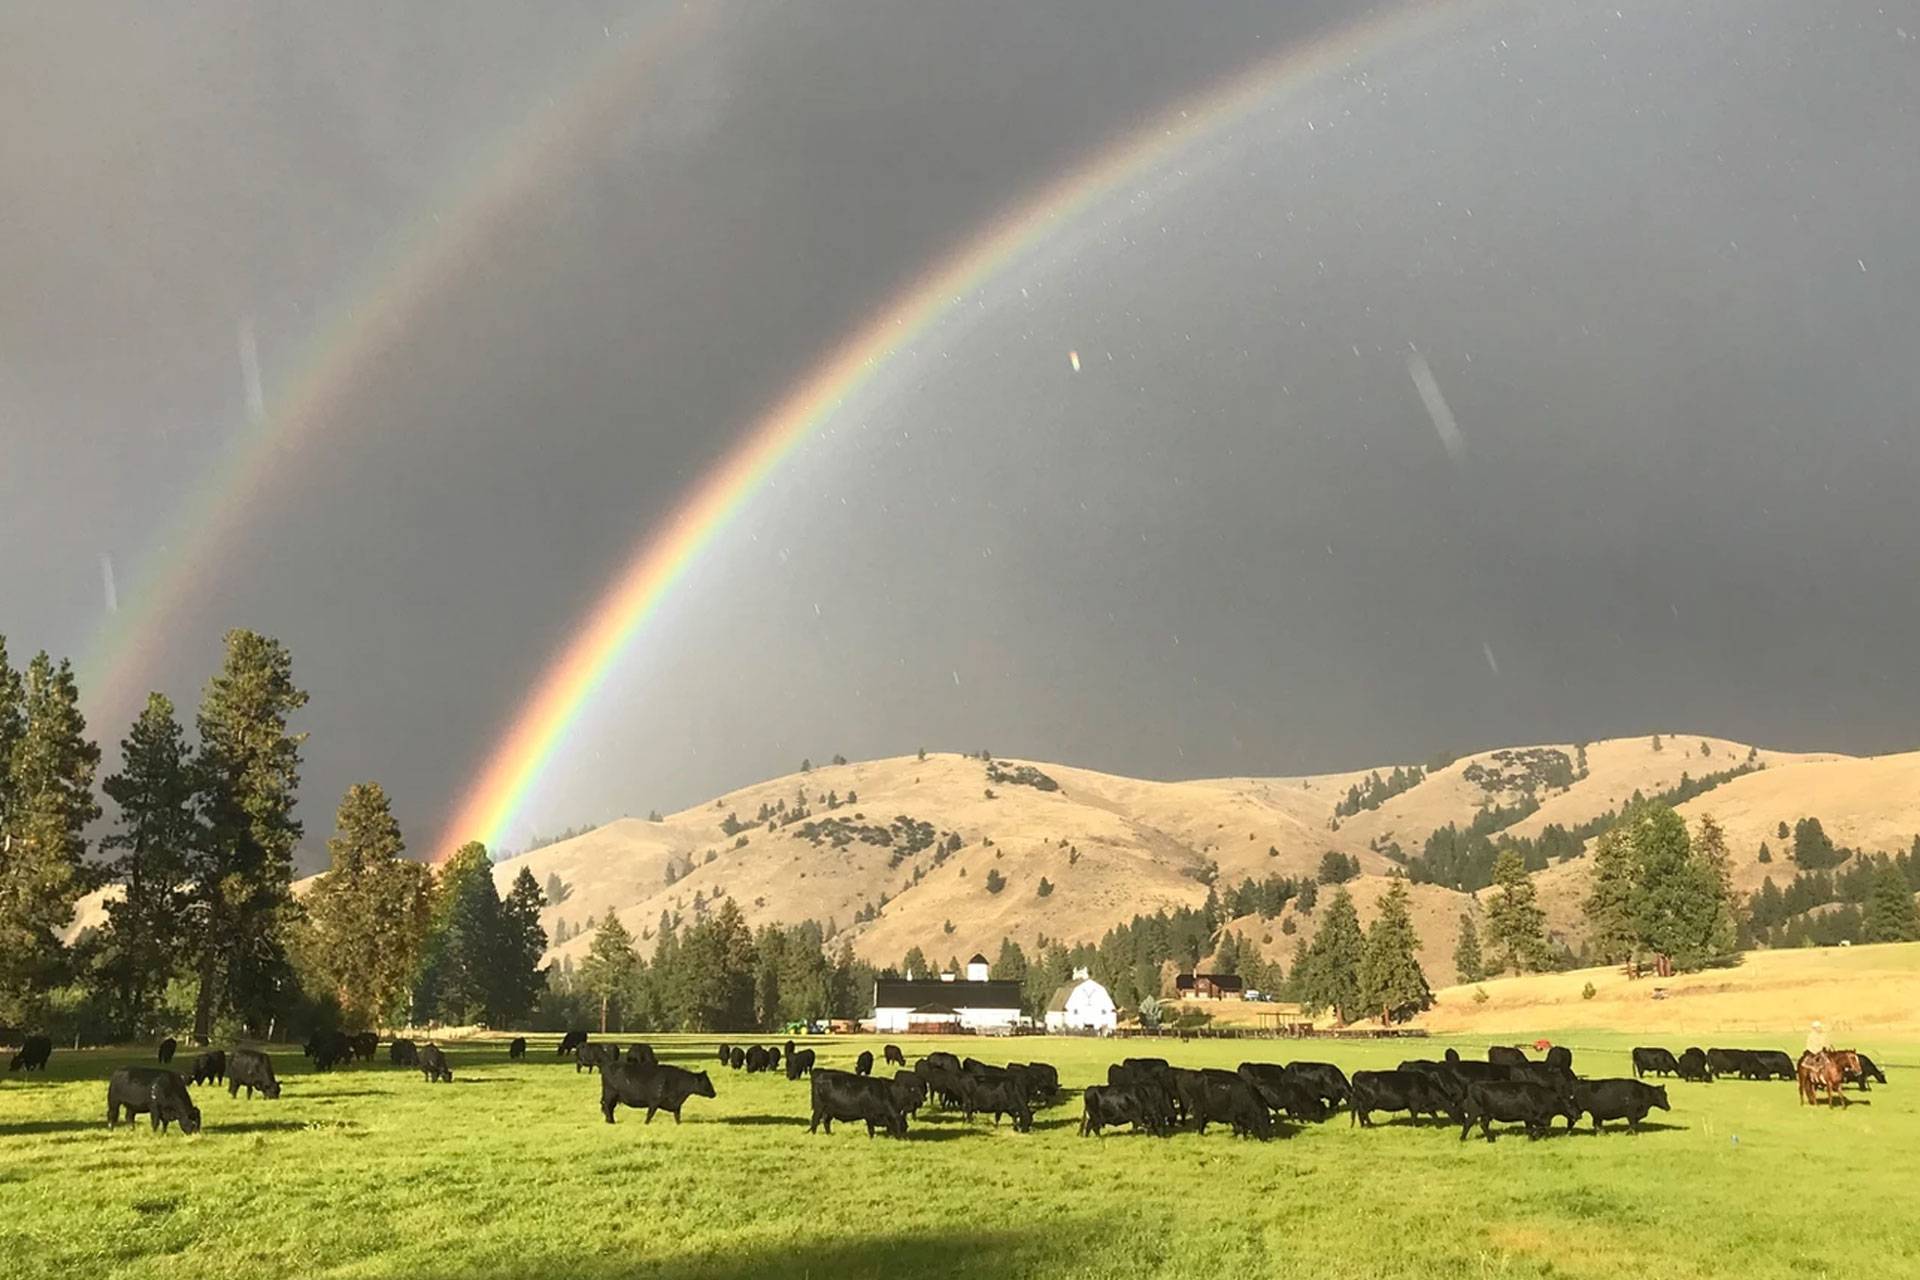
(940,1009)
(914,993)
(1057,1003)
(978,959)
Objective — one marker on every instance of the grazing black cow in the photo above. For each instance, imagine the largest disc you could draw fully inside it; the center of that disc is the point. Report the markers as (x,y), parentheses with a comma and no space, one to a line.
(946,1085)
(328,1047)
(1280,1092)
(756,1060)
(167,1047)
(516,1048)
(1223,1097)
(737,1059)
(1773,1064)
(364,1045)
(569,1042)
(1654,1062)
(799,1063)
(1470,1072)
(1048,1078)
(1628,1100)
(840,1095)
(1001,1094)
(159,1095)
(1151,1087)
(1866,1072)
(1413,1092)
(863,1065)
(1561,1058)
(773,1057)
(210,1067)
(1112,1105)
(941,1058)
(1542,1073)
(657,1088)
(1324,1080)
(1506,1056)
(251,1069)
(894,1057)
(403,1053)
(1730,1062)
(1451,1084)
(1517,1102)
(642,1055)
(33,1055)
(433,1065)
(788,1046)
(910,1091)
(595,1057)
(1694,1065)
(726,1055)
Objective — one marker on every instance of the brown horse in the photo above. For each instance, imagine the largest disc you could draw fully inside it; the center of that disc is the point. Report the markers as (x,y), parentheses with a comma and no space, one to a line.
(1826,1071)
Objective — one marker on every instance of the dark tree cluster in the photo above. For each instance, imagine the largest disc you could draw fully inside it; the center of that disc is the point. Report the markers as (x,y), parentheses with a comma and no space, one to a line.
(1376,791)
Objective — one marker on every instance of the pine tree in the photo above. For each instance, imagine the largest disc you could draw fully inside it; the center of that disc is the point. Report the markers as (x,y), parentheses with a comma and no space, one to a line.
(714,990)
(519,979)
(1330,977)
(1226,956)
(369,911)
(1011,964)
(1891,915)
(463,939)
(609,971)
(1516,926)
(48,803)
(916,964)
(1679,908)
(247,774)
(155,834)
(1391,980)
(1466,952)
(1609,904)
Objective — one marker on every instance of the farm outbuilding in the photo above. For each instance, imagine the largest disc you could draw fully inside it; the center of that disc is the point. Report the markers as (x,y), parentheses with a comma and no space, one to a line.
(1081,1005)
(973,1004)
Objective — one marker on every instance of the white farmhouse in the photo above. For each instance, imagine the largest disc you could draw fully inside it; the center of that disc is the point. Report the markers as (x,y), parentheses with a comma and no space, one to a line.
(929,1006)
(1082,1005)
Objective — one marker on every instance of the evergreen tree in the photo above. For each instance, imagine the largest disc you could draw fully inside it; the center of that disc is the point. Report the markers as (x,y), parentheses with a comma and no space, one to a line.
(1466,952)
(916,965)
(1226,956)
(247,775)
(1516,926)
(1330,978)
(1391,980)
(48,803)
(806,977)
(369,911)
(1011,964)
(1609,904)
(715,985)
(520,980)
(769,963)
(609,972)
(155,836)
(1890,914)
(463,939)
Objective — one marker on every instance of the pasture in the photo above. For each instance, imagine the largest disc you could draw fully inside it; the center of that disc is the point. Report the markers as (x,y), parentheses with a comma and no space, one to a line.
(510,1172)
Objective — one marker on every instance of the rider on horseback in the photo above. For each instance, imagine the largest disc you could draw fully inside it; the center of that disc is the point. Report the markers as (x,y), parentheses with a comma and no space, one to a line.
(1817,1045)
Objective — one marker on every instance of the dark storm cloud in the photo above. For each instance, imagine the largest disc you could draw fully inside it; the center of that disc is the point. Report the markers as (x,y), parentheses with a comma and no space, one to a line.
(1659,267)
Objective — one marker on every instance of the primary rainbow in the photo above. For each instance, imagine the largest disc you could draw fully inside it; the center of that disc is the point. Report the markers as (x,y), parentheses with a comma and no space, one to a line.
(670,548)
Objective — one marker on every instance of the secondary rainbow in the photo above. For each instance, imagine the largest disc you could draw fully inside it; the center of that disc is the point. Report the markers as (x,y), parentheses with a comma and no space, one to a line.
(538,731)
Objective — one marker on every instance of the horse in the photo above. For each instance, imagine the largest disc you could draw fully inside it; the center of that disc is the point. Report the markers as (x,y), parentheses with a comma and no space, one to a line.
(1826,1071)
(1860,1070)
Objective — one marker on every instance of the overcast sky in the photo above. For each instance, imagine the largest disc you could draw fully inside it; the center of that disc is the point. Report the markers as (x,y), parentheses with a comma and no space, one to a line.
(1551,375)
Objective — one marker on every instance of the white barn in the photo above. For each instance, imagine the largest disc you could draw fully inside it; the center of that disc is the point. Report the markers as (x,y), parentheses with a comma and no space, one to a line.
(929,1006)
(1082,1005)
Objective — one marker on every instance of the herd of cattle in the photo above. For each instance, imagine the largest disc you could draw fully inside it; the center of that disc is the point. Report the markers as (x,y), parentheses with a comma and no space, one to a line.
(1147,1095)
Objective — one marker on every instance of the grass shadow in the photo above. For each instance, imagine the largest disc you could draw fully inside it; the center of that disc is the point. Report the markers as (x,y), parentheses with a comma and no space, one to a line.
(1646,1126)
(761,1120)
(26,1128)
(257,1126)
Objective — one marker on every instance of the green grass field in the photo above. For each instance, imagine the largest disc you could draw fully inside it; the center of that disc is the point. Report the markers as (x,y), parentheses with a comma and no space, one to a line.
(510,1172)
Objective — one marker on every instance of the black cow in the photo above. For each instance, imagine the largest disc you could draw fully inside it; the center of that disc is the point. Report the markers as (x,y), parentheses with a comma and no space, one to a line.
(1326,1081)
(1112,1105)
(595,1057)
(947,1085)
(1221,1096)
(433,1065)
(1001,1094)
(726,1055)
(789,1046)
(364,1045)
(1866,1072)
(1654,1062)
(910,1091)
(210,1066)
(657,1088)
(1730,1062)
(569,1042)
(1280,1092)
(1151,1088)
(328,1047)
(757,1060)
(1543,1073)
(1470,1072)
(1561,1058)
(1413,1092)
(799,1063)
(941,1058)
(167,1047)
(863,1065)
(840,1095)
(1628,1100)
(642,1055)
(773,1057)
(1048,1078)
(516,1048)
(1694,1065)
(33,1055)
(1506,1056)
(251,1069)
(403,1053)
(1516,1101)
(159,1095)
(894,1057)
(1769,1064)
(1451,1084)
(737,1058)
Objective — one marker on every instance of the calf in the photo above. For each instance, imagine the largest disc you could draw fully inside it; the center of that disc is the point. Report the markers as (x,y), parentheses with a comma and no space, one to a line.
(251,1069)
(403,1053)
(1654,1062)
(1108,1105)
(1694,1065)
(909,1091)
(433,1065)
(516,1048)
(757,1060)
(210,1066)
(160,1095)
(167,1047)
(799,1063)
(1506,1056)
(33,1055)
(863,1065)
(1516,1101)
(841,1095)
(894,1057)
(1410,1091)
(569,1042)
(1324,1080)
(1628,1100)
(657,1088)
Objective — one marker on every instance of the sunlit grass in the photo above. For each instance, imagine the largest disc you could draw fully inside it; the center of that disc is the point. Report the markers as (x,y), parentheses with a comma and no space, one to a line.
(511,1172)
